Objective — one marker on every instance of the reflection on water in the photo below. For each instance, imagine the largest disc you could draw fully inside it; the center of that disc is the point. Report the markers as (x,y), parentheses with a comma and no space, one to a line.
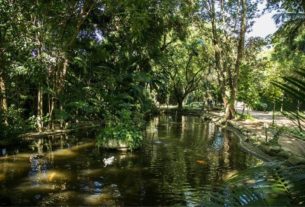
(182,160)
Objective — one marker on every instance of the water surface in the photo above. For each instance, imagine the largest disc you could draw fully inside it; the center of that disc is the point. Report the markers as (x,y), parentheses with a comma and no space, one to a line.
(181,162)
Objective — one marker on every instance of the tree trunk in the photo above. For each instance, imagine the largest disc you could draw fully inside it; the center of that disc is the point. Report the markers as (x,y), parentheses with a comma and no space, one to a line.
(230,109)
(3,100)
(298,117)
(58,83)
(62,121)
(51,112)
(40,109)
(273,112)
(40,44)
(180,105)
(282,104)
(244,107)
(218,56)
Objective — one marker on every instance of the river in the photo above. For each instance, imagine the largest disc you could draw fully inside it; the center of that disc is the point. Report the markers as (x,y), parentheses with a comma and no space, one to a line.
(183,161)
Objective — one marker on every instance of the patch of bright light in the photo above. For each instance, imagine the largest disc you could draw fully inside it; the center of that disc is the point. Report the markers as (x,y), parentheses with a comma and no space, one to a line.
(264,25)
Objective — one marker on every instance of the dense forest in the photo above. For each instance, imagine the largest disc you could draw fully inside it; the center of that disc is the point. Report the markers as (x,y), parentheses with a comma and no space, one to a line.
(68,62)
(151,103)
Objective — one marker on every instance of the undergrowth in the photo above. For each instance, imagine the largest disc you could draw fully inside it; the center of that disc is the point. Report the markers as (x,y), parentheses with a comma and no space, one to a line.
(266,185)
(242,117)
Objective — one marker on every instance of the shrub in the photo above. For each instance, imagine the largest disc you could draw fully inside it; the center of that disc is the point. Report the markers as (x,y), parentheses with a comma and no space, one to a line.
(260,106)
(15,126)
(124,128)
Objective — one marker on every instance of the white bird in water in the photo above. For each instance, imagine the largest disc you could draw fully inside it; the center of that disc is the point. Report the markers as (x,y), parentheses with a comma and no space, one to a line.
(108,161)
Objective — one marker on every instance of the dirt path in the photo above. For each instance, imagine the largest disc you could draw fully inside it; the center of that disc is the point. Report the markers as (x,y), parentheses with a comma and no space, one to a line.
(257,126)
(266,117)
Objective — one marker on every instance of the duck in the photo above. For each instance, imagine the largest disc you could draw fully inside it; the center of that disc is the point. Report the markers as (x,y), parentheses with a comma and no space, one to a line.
(108,161)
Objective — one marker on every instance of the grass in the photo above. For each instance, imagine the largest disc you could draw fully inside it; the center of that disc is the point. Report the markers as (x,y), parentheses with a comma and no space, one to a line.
(242,117)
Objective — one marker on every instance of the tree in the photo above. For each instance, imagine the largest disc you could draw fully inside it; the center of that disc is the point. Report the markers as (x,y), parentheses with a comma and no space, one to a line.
(12,26)
(228,37)
(183,65)
(135,38)
(253,72)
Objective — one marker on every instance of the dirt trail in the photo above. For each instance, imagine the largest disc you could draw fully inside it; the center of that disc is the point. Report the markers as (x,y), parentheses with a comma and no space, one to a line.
(288,143)
(266,117)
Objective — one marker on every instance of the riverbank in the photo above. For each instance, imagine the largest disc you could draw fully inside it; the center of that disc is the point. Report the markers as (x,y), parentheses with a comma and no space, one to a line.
(48,132)
(216,116)
(33,135)
(260,138)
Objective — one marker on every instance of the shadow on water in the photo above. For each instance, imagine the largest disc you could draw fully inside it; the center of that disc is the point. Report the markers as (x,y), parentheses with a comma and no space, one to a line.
(183,161)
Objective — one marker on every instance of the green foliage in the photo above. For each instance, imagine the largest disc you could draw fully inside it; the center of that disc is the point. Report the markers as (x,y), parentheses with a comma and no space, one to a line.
(289,131)
(244,117)
(289,54)
(266,185)
(183,65)
(291,18)
(195,105)
(124,127)
(15,124)
(297,133)
(294,84)
(90,59)
(260,106)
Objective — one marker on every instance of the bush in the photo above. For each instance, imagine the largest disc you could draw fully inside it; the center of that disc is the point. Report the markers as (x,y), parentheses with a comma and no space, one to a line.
(15,126)
(244,117)
(123,129)
(260,106)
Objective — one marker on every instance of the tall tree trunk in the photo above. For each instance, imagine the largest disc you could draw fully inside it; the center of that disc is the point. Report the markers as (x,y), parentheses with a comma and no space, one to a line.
(218,56)
(3,100)
(59,78)
(40,43)
(273,112)
(40,109)
(62,121)
(51,111)
(230,109)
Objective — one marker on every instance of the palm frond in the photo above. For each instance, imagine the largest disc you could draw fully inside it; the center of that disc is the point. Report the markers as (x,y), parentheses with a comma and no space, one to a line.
(296,82)
(292,91)
(267,185)
(294,85)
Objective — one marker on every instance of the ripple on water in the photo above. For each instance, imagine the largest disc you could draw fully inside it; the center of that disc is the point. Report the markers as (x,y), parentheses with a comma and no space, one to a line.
(61,198)
(108,196)
(91,172)
(51,176)
(173,168)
